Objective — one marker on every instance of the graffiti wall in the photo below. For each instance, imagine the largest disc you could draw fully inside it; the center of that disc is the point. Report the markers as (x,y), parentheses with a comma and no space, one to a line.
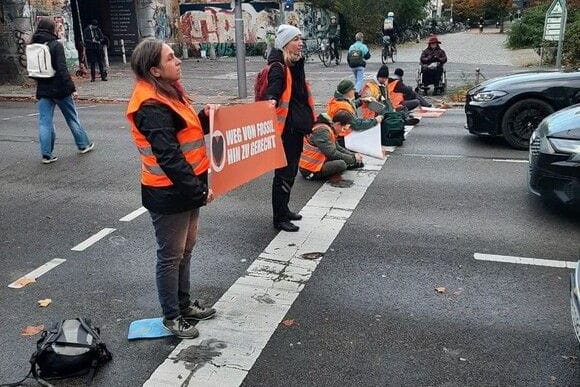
(158,19)
(212,22)
(17,23)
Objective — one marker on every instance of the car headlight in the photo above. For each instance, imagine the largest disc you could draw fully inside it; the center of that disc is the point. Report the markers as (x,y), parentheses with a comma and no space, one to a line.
(565,145)
(486,96)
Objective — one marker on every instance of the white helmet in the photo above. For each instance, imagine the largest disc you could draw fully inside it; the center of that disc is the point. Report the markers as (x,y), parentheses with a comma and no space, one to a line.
(391,14)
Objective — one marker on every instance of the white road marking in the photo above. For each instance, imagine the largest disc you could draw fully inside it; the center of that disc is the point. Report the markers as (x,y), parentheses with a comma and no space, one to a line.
(252,308)
(133,215)
(525,261)
(93,239)
(511,161)
(34,274)
(32,114)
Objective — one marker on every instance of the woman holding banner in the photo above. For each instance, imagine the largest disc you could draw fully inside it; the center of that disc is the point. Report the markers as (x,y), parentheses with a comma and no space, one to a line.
(169,137)
(287,87)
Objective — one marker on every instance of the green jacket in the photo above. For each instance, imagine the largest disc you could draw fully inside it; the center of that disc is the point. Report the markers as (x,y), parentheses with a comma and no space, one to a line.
(320,138)
(358,124)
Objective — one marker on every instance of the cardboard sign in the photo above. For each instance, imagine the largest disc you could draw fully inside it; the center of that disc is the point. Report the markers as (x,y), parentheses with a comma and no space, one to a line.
(367,142)
(243,145)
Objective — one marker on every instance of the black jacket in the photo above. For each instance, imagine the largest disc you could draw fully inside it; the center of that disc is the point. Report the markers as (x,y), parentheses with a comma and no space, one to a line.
(160,125)
(61,85)
(300,116)
(93,38)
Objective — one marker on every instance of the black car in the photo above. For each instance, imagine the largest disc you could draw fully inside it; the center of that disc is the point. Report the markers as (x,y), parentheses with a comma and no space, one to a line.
(514,105)
(555,157)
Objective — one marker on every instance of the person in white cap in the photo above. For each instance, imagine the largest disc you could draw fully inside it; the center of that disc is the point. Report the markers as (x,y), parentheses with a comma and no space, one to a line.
(287,88)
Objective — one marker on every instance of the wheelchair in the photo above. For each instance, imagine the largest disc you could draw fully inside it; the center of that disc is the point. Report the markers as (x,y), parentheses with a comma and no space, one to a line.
(438,88)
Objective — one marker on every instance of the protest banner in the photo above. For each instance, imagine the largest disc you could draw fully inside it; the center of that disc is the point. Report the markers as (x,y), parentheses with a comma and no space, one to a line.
(367,142)
(428,112)
(243,145)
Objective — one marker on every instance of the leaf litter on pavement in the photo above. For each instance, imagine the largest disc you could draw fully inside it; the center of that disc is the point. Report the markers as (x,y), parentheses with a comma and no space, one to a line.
(31,330)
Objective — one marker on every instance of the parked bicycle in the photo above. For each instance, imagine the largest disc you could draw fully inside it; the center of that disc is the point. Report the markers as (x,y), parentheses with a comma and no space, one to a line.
(326,53)
(388,50)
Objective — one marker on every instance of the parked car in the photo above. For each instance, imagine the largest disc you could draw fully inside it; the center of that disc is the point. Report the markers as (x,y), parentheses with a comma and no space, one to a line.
(555,157)
(513,106)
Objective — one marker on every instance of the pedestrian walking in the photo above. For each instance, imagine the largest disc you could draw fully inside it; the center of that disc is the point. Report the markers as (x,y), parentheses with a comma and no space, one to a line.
(358,53)
(170,138)
(58,90)
(287,86)
(94,41)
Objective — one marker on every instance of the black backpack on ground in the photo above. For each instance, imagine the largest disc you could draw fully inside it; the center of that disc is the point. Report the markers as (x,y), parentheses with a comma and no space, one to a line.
(69,348)
(392,127)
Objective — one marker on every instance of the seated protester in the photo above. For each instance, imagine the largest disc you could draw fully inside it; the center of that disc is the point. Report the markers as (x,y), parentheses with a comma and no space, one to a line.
(432,60)
(322,156)
(374,91)
(408,93)
(403,94)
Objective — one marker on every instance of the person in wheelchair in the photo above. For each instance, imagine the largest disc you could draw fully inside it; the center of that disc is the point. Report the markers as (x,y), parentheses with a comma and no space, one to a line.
(432,60)
(333,36)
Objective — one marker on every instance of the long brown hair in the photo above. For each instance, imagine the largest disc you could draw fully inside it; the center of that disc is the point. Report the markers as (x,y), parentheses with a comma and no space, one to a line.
(146,55)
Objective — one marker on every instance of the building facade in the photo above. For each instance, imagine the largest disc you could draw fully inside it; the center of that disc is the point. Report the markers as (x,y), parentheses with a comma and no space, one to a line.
(191,25)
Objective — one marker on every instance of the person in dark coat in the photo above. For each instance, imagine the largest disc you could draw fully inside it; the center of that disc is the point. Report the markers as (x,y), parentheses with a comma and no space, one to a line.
(58,90)
(287,60)
(94,41)
(432,60)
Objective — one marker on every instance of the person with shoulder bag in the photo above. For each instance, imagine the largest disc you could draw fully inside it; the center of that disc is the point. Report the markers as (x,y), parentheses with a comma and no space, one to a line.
(169,136)
(290,93)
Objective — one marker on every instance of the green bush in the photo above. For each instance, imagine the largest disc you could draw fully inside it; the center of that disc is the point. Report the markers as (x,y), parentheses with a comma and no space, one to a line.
(571,55)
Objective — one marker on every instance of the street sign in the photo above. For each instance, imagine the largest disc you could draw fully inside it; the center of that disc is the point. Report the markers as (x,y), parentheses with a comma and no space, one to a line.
(555,22)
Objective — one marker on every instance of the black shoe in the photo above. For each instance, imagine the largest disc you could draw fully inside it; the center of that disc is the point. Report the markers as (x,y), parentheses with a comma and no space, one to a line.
(293,216)
(411,121)
(286,226)
(92,80)
(195,311)
(104,79)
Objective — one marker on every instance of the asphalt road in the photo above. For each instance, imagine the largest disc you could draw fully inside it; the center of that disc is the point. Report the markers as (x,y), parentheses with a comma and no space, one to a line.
(369,315)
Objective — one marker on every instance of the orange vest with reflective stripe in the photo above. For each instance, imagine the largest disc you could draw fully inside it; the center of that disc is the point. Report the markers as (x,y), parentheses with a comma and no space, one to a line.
(284,102)
(334,106)
(370,89)
(395,98)
(312,159)
(190,138)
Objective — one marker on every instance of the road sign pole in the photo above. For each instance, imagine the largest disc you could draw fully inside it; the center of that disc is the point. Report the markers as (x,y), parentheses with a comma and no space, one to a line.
(240,50)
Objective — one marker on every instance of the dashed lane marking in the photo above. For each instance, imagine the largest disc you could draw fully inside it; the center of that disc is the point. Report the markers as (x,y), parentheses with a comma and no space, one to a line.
(34,274)
(522,161)
(133,215)
(525,261)
(93,239)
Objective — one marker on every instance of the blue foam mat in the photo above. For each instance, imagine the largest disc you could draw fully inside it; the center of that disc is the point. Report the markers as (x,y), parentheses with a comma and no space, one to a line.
(149,328)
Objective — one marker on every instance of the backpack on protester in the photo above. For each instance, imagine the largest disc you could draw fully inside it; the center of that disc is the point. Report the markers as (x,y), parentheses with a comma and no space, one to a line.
(355,58)
(392,126)
(69,348)
(39,61)
(261,83)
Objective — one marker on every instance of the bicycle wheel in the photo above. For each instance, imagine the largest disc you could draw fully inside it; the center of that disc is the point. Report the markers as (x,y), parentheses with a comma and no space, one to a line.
(384,55)
(326,58)
(393,55)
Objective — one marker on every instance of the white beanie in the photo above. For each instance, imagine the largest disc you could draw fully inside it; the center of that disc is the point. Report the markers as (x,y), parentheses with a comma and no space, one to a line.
(285,34)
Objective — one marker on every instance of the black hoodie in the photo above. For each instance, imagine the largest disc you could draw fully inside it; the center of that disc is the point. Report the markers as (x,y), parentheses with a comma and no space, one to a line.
(300,116)
(61,85)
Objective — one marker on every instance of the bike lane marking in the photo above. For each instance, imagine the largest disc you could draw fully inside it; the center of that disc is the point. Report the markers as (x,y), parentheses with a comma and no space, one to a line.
(129,217)
(525,261)
(34,274)
(93,239)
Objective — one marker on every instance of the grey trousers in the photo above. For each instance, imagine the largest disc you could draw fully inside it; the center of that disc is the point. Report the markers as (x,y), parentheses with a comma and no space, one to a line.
(176,235)
(330,168)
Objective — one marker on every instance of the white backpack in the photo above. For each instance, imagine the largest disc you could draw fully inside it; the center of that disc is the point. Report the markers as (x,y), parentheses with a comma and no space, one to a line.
(388,23)
(39,61)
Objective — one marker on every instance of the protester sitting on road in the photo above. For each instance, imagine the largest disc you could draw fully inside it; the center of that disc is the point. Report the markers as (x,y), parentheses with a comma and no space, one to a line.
(411,99)
(344,100)
(322,156)
(170,138)
(288,88)
(58,90)
(432,60)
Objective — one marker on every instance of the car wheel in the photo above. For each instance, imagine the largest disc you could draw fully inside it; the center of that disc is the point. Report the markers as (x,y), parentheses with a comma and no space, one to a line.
(521,119)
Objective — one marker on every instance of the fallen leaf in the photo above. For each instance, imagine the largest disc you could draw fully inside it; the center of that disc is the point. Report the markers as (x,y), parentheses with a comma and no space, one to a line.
(288,323)
(22,282)
(462,359)
(440,289)
(31,330)
(44,303)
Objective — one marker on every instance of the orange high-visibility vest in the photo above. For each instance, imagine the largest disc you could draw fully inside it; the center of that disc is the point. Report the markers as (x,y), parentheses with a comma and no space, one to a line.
(312,159)
(284,102)
(334,106)
(395,98)
(370,89)
(190,138)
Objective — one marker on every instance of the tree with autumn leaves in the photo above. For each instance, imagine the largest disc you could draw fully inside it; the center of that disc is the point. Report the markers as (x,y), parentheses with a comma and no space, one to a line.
(474,9)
